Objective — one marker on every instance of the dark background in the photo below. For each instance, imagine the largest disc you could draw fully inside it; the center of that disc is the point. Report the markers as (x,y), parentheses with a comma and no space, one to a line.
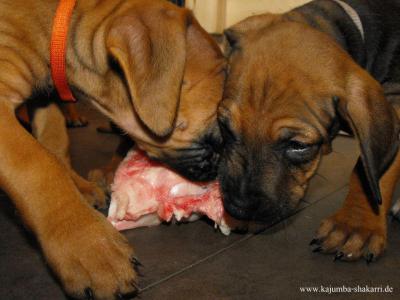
(178,2)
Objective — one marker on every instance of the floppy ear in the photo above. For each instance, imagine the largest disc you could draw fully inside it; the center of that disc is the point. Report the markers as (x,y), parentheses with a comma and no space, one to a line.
(245,28)
(376,126)
(232,37)
(150,50)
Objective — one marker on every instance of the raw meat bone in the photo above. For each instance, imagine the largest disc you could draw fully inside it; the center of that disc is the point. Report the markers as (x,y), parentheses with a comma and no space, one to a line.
(146,193)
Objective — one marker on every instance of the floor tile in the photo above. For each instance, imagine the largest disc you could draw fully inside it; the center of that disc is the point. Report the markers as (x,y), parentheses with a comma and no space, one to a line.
(275,264)
(192,261)
(23,272)
(334,170)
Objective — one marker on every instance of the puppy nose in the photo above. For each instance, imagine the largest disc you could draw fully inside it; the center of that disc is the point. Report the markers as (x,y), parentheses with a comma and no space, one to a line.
(238,208)
(239,201)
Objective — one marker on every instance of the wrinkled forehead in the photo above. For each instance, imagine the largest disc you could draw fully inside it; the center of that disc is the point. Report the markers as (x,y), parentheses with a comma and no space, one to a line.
(282,119)
(278,107)
(286,51)
(284,74)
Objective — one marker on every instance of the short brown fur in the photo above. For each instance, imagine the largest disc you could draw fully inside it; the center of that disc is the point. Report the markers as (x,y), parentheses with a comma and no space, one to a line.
(165,97)
(289,89)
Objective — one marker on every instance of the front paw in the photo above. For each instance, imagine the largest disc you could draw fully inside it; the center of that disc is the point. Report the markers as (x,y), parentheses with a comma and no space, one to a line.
(102,178)
(91,259)
(94,195)
(351,237)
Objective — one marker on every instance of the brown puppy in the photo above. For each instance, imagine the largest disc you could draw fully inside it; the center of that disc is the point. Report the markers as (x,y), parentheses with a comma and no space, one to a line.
(290,88)
(47,124)
(147,65)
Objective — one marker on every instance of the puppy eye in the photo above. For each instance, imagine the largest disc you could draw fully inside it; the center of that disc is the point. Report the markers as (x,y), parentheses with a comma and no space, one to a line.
(298,152)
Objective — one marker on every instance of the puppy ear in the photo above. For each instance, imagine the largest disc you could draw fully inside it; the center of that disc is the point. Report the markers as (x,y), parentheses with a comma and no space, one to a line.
(376,126)
(150,50)
(232,37)
(231,41)
(251,26)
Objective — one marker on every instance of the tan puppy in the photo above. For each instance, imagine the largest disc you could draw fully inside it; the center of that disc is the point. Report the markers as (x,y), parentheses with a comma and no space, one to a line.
(148,66)
(291,87)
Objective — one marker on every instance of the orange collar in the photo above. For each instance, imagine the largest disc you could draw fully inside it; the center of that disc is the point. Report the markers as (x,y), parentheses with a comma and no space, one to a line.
(58,49)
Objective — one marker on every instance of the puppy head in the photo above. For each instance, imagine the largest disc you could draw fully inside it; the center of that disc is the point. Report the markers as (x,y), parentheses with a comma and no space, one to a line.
(164,82)
(289,90)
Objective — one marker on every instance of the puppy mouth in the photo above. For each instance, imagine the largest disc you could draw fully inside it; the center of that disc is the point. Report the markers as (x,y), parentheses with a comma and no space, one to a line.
(265,216)
(197,163)
(200,161)
(238,212)
(251,204)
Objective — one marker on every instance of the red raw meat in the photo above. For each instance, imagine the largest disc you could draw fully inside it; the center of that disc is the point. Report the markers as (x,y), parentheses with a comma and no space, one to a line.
(145,193)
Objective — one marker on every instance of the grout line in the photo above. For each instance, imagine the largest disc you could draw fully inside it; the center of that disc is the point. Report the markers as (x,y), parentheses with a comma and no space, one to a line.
(330,194)
(196,263)
(245,238)
(301,209)
(327,195)
(321,176)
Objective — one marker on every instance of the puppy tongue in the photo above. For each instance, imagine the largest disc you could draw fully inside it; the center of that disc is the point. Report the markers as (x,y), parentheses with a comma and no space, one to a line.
(145,193)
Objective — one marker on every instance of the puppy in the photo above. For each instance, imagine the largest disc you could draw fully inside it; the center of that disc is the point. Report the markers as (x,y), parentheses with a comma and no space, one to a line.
(294,81)
(148,66)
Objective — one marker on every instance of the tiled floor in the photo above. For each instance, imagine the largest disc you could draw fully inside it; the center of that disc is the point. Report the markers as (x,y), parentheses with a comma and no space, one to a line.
(191,261)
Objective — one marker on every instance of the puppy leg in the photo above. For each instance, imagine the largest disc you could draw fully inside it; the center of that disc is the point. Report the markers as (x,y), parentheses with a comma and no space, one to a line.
(84,250)
(72,116)
(356,230)
(48,127)
(392,94)
(104,176)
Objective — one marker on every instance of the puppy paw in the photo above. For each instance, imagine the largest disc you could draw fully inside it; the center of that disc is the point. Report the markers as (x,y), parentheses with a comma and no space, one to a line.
(91,259)
(103,178)
(350,237)
(94,195)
